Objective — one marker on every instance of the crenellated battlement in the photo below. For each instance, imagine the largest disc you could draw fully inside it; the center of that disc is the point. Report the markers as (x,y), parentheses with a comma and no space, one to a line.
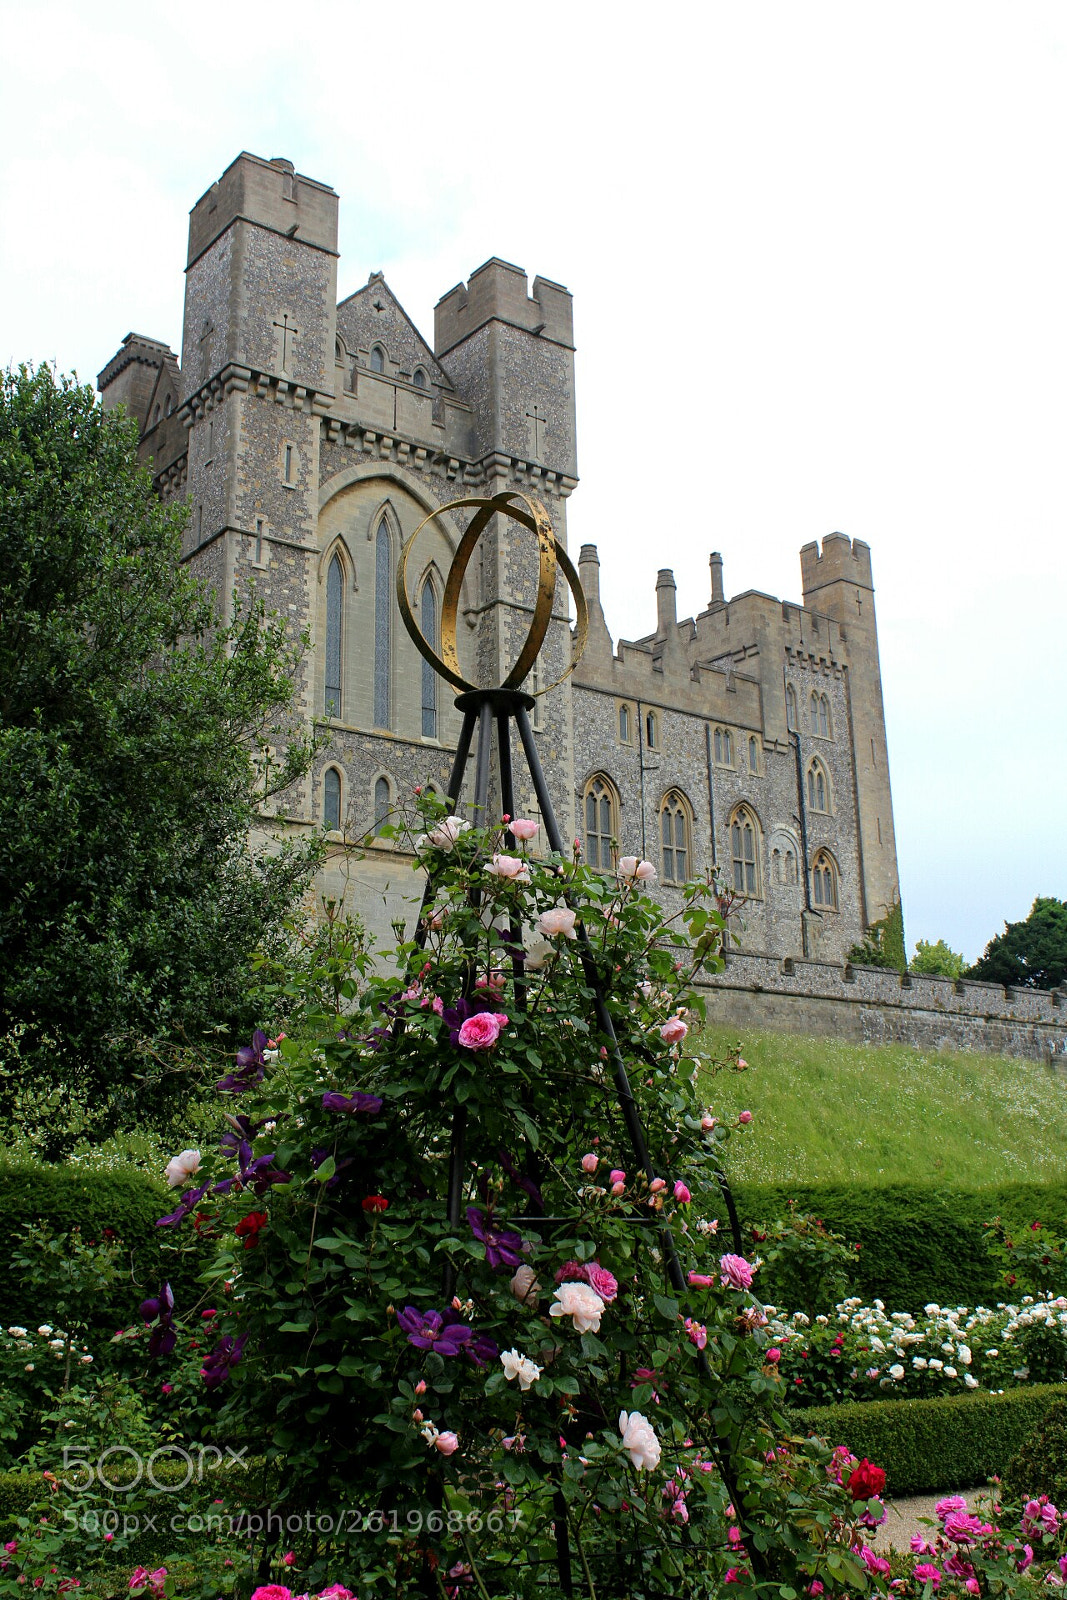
(496,292)
(271,194)
(841,560)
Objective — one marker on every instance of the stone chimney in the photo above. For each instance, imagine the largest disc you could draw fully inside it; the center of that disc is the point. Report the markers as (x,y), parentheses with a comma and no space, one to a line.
(717,597)
(666,604)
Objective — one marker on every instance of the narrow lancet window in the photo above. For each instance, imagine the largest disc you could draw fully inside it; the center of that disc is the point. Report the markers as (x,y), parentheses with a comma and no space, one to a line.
(335,590)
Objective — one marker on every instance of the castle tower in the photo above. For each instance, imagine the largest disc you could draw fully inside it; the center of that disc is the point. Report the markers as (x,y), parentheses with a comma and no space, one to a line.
(838,584)
(258,372)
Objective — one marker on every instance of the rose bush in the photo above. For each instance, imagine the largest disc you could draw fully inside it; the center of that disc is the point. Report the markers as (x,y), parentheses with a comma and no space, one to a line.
(864,1352)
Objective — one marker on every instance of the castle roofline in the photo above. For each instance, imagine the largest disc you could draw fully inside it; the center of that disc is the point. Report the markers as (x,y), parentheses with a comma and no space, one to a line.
(135,347)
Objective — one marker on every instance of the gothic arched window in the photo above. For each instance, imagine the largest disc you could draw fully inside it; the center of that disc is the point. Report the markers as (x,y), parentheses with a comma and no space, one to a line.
(744,852)
(335,595)
(824,717)
(753,754)
(824,881)
(818,787)
(377,359)
(724,747)
(674,834)
(428,624)
(624,724)
(790,707)
(331,798)
(383,800)
(601,822)
(419,378)
(382,624)
(651,731)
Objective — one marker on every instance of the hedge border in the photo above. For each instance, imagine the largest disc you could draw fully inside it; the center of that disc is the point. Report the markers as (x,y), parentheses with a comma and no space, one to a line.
(955,1442)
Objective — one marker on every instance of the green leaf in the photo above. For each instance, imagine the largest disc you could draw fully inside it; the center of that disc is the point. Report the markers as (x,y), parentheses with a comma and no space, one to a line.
(666,1307)
(325,1170)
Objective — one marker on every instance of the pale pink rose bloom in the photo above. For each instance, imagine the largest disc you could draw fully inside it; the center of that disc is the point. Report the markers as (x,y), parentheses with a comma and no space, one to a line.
(580,1302)
(602,1282)
(627,867)
(437,1005)
(737,1273)
(447,1443)
(447,831)
(180,1168)
(657,1186)
(525,1287)
(438,919)
(590,1162)
(523,828)
(618,1187)
(550,924)
(638,1437)
(482,1031)
(673,1030)
(742,1064)
(707,1122)
(511,868)
(420,1387)
(646,872)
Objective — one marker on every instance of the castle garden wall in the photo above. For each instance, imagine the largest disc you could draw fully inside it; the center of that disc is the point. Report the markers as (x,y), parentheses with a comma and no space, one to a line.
(870,1005)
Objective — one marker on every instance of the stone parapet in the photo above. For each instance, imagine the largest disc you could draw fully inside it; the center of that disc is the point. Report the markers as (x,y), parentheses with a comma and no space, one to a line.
(873,1005)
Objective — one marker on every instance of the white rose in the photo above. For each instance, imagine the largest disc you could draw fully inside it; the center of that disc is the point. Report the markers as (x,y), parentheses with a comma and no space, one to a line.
(935,1364)
(44,1330)
(181,1168)
(638,1437)
(896,1371)
(579,1301)
(444,835)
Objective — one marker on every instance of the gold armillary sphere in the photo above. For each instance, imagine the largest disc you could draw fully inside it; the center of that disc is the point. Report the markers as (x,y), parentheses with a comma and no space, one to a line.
(529,513)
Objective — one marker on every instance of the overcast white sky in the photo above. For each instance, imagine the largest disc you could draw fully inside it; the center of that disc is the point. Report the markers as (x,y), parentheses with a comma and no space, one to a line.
(818,259)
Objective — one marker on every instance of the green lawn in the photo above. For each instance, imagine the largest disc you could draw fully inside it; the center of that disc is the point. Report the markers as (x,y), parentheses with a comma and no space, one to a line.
(824,1109)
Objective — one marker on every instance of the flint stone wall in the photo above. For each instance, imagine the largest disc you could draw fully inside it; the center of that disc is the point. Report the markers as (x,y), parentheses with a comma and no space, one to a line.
(871,1005)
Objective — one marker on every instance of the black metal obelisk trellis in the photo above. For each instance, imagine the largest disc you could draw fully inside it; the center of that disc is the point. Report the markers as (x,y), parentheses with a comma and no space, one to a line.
(488,716)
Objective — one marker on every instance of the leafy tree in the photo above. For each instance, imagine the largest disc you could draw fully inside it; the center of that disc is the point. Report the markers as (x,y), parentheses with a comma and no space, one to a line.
(1030,954)
(136,739)
(936,960)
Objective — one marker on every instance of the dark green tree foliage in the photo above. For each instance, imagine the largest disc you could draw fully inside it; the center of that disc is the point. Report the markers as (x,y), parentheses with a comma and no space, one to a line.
(1030,954)
(134,730)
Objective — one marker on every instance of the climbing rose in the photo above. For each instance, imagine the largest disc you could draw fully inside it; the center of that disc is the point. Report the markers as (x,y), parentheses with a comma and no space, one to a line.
(874,1563)
(601,1281)
(482,1031)
(512,868)
(551,924)
(249,1228)
(272,1591)
(521,1367)
(447,1443)
(523,828)
(590,1162)
(639,1439)
(579,1301)
(737,1274)
(179,1168)
(744,1116)
(926,1572)
(673,1030)
(525,1287)
(445,834)
(682,1194)
(867,1480)
(700,1280)
(631,867)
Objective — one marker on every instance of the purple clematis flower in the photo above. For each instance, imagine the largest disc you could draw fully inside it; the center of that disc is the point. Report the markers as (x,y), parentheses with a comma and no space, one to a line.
(427,1330)
(251,1066)
(526,1184)
(482,1350)
(220,1363)
(352,1103)
(163,1338)
(503,1248)
(189,1202)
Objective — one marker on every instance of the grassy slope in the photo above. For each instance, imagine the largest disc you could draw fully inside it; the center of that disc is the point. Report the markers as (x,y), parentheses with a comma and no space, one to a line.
(826,1109)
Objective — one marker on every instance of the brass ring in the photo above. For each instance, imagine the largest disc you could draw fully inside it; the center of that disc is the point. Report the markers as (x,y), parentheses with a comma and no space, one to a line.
(552,558)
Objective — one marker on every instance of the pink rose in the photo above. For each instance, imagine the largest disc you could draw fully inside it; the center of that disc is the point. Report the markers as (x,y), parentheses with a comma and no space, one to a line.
(681,1194)
(673,1030)
(420,1387)
(336,1591)
(926,1572)
(590,1162)
(288,1558)
(482,1031)
(580,1302)
(697,1332)
(559,921)
(618,1187)
(447,1443)
(774,1355)
(601,1281)
(181,1168)
(736,1272)
(511,868)
(523,828)
(707,1122)
(700,1280)
(744,1116)
(270,1591)
(742,1064)
(525,1287)
(615,1176)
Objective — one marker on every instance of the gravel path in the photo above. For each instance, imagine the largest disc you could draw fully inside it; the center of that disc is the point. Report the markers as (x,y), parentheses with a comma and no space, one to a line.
(903,1519)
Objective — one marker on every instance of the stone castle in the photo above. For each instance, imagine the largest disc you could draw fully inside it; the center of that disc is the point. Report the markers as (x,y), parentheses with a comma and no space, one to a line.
(310,437)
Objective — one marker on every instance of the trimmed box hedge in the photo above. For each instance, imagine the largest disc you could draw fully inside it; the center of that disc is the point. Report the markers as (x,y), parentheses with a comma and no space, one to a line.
(917,1243)
(930,1445)
(68,1196)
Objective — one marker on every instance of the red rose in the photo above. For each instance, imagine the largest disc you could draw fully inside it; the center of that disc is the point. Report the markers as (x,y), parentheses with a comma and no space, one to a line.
(375,1202)
(867,1481)
(250,1227)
